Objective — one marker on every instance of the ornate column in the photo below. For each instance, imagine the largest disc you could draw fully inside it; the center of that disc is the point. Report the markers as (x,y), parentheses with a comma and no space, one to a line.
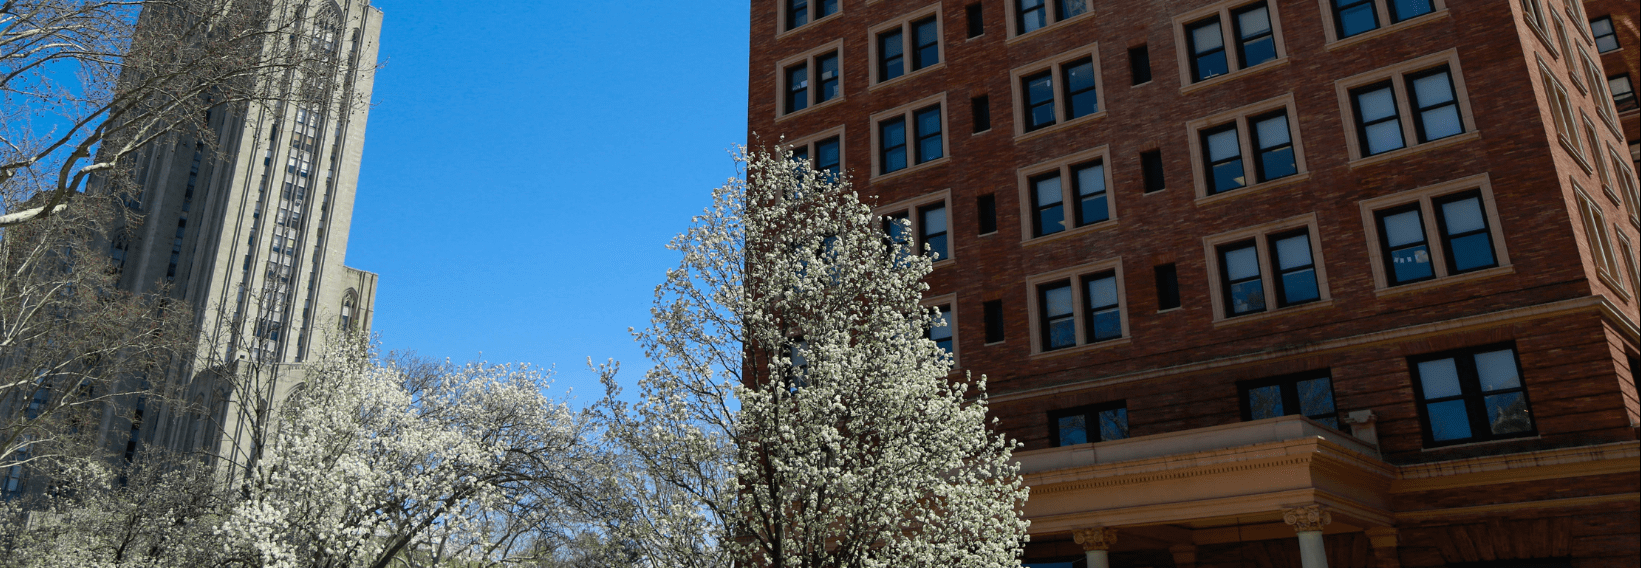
(1308,521)
(1385,553)
(1097,544)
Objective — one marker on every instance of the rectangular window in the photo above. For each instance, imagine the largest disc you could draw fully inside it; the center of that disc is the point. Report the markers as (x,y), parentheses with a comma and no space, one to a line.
(907,45)
(1104,318)
(1079,181)
(932,230)
(1595,234)
(1255,40)
(1405,247)
(1033,15)
(941,331)
(926,46)
(1240,281)
(1152,170)
(1623,92)
(891,55)
(924,218)
(1244,147)
(1351,17)
(1295,272)
(980,107)
(929,145)
(1079,306)
(1273,145)
(1139,64)
(1059,317)
(1308,394)
(1465,236)
(993,314)
(1417,102)
(1048,201)
(1434,232)
(1207,48)
(1378,124)
(1471,395)
(824,151)
(986,208)
(976,19)
(827,82)
(1088,182)
(1269,267)
(1057,91)
(892,136)
(1091,424)
(1039,90)
(1223,158)
(1435,105)
(1606,38)
(1226,38)
(797,88)
(1167,287)
(797,11)
(810,79)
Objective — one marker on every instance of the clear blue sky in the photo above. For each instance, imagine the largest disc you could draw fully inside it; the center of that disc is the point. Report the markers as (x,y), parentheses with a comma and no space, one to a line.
(526,162)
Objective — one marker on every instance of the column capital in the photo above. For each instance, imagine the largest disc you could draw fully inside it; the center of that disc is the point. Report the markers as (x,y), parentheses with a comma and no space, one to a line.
(1097,538)
(1307,518)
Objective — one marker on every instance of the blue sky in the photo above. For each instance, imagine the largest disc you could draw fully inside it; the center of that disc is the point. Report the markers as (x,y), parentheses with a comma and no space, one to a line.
(526,163)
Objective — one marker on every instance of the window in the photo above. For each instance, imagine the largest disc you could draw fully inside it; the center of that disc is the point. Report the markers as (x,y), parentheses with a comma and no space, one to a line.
(1067,193)
(824,150)
(1307,394)
(1227,38)
(986,208)
(1433,233)
(1063,89)
(1561,110)
(1595,234)
(1627,254)
(1033,15)
(1604,100)
(1534,11)
(941,332)
(1272,266)
(1623,92)
(348,305)
(1606,38)
(932,230)
(798,11)
(1151,169)
(1079,306)
(1352,18)
(810,79)
(926,218)
(907,45)
(1139,64)
(910,136)
(1471,395)
(1247,146)
(1410,104)
(993,314)
(1089,424)
(980,107)
(976,19)
(1624,178)
(1167,287)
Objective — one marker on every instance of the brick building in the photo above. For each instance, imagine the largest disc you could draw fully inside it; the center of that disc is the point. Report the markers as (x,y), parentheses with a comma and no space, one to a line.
(1264,283)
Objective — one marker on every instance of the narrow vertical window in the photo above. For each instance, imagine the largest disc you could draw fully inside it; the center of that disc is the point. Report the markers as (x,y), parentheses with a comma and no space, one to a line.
(1059,323)
(891,55)
(926,43)
(797,88)
(1048,204)
(1465,238)
(1352,17)
(1031,15)
(797,13)
(980,107)
(928,134)
(1088,181)
(1405,250)
(1139,64)
(827,83)
(1224,156)
(1256,42)
(827,156)
(1378,126)
(1435,105)
(993,314)
(941,332)
(932,226)
(1239,276)
(1296,281)
(1167,287)
(826,8)
(1151,169)
(892,135)
(1403,10)
(1207,48)
(1039,91)
(1273,147)
(976,19)
(1606,38)
(986,207)
(1104,315)
(1081,98)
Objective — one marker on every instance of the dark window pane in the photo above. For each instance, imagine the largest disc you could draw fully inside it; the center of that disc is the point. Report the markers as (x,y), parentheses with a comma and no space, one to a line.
(1245,291)
(1224,155)
(1151,167)
(1265,402)
(981,108)
(977,21)
(1275,146)
(1032,15)
(1039,100)
(827,156)
(893,139)
(828,65)
(1376,116)
(932,223)
(891,59)
(797,13)
(826,8)
(1059,324)
(1315,397)
(1113,424)
(927,47)
(1448,421)
(1405,9)
(1299,287)
(1438,110)
(1049,202)
(1073,430)
(993,314)
(928,134)
(1207,49)
(1081,98)
(1091,194)
(986,206)
(1256,43)
(1071,8)
(1507,413)
(1464,229)
(1606,39)
(941,332)
(1354,17)
(1471,252)
(1167,287)
(1105,319)
(797,88)
(1139,64)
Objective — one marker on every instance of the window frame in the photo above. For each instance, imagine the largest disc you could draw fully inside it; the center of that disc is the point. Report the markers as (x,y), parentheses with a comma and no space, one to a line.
(949,301)
(1384,22)
(782,19)
(1224,11)
(1595,39)
(1075,278)
(1400,76)
(809,145)
(1051,11)
(1063,166)
(810,59)
(1087,411)
(1627,188)
(1261,236)
(1598,241)
(1469,392)
(1424,198)
(1243,119)
(907,112)
(1055,66)
(912,209)
(1289,387)
(1632,98)
(904,23)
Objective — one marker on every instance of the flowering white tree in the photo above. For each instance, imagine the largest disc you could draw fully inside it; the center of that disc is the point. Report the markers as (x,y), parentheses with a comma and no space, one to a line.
(797,414)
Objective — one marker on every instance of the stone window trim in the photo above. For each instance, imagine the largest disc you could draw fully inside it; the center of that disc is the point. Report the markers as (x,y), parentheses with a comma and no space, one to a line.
(808,58)
(782,31)
(1561,113)
(910,208)
(1425,196)
(1605,106)
(807,144)
(1260,235)
(950,302)
(1241,116)
(1055,64)
(1469,392)
(1075,274)
(1599,241)
(1580,21)
(1223,11)
(904,23)
(1011,21)
(1063,164)
(1632,262)
(906,111)
(1396,75)
(1382,11)
(1534,15)
(1625,179)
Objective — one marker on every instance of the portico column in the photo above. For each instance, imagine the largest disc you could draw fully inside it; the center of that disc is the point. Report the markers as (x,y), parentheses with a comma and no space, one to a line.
(1308,521)
(1097,544)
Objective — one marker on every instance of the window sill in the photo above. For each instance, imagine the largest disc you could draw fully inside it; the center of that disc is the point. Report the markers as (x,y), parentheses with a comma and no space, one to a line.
(837,100)
(1222,321)
(1410,150)
(908,76)
(1583,163)
(1046,130)
(1039,31)
(1105,225)
(1387,30)
(984,235)
(1443,281)
(1613,283)
(1612,195)
(1084,348)
(910,169)
(1252,189)
(1481,443)
(810,25)
(1234,75)
(986,131)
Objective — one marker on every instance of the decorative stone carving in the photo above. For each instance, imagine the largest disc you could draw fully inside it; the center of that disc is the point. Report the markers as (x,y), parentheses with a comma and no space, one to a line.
(1308,518)
(1100,538)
